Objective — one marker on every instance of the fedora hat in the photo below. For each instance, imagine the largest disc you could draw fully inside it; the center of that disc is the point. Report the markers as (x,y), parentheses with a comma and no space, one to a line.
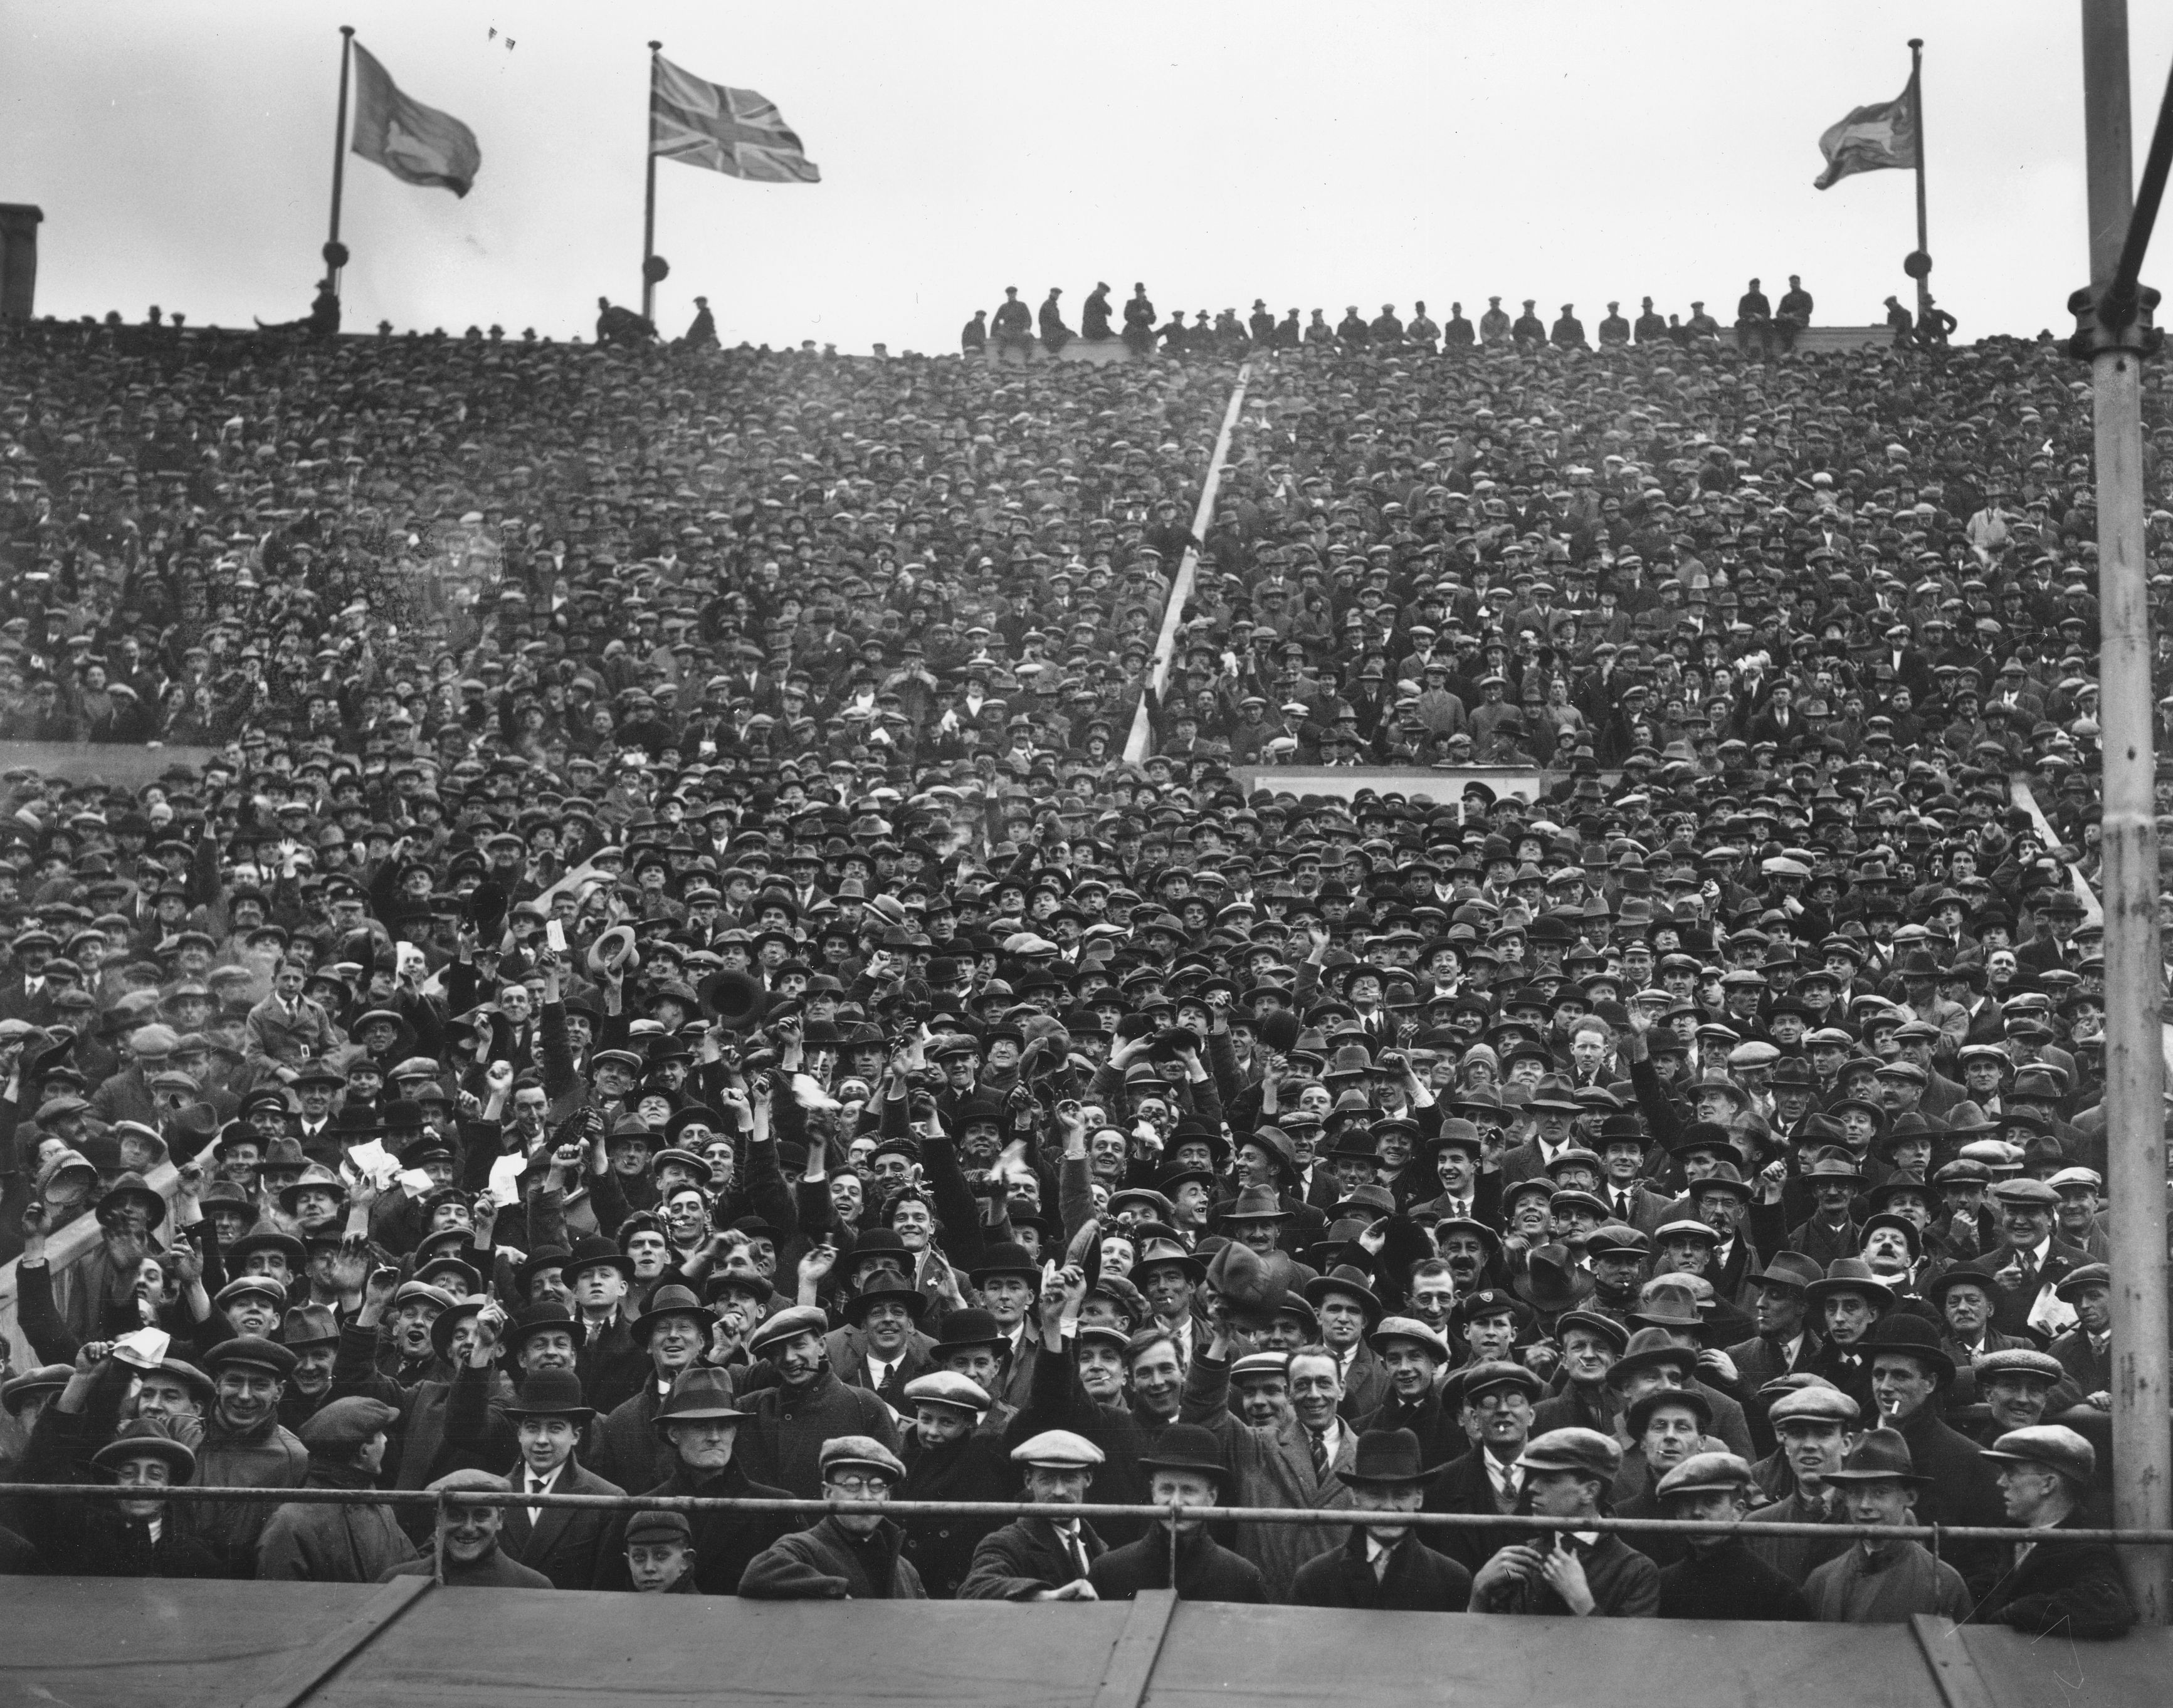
(613,950)
(1649,1349)
(1258,1204)
(915,1302)
(1163,1250)
(703,1392)
(1790,1269)
(1849,1276)
(670,1300)
(1879,1455)
(1552,1280)
(147,1438)
(1347,1280)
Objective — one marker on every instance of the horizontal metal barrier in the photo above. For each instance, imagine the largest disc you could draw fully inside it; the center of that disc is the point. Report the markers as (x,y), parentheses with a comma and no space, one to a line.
(1029,1509)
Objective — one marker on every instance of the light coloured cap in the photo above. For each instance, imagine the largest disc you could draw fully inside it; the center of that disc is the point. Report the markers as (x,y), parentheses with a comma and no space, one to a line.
(1058,1450)
(1408,1329)
(1703,1473)
(947,1387)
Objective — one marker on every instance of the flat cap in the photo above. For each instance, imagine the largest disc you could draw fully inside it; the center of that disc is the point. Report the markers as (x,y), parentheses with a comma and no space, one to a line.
(1585,1452)
(796,1320)
(2054,1445)
(1058,1450)
(1816,1403)
(862,1449)
(947,1387)
(345,1424)
(1703,1473)
(655,1527)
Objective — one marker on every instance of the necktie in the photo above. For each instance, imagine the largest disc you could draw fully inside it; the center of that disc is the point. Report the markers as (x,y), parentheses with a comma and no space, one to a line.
(1079,1553)
(1622,1206)
(1320,1439)
(2027,1262)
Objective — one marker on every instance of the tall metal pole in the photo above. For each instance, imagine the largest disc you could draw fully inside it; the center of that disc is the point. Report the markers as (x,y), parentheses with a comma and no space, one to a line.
(2135,1154)
(335,255)
(1923,240)
(649,205)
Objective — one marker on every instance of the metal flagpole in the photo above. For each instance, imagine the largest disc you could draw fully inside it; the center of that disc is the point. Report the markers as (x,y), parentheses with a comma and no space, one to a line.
(649,205)
(2112,333)
(335,251)
(1924,243)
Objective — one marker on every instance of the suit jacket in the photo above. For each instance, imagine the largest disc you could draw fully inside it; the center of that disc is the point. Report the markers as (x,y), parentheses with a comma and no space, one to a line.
(564,1541)
(627,1449)
(612,1368)
(1272,1465)
(1415,1580)
(2073,1589)
(1440,1434)
(2089,1368)
(1464,1486)
(1758,1361)
(1024,1558)
(2011,1315)
(848,1357)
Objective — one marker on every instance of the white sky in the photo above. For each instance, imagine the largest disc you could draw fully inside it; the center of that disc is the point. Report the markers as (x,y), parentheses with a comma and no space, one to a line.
(1317,156)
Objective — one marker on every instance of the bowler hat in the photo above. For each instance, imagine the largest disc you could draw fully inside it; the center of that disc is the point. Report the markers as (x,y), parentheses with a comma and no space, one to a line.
(1387,1459)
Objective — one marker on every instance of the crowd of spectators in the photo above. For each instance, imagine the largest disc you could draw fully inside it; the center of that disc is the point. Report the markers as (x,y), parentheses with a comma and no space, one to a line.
(663,981)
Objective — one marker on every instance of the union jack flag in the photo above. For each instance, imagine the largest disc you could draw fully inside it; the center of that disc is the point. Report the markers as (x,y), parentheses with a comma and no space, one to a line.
(733,131)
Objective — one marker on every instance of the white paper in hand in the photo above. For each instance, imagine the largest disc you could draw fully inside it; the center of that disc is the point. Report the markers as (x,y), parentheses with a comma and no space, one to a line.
(143,1349)
(416,1182)
(505,1178)
(373,1163)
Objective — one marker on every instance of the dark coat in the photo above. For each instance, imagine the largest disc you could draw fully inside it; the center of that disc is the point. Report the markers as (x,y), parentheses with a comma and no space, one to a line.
(2011,1314)
(724,1542)
(494,1570)
(1795,1557)
(1058,1402)
(1017,1562)
(1624,1583)
(2072,1589)
(565,1543)
(1729,1583)
(1417,1579)
(1440,1437)
(973,1467)
(782,1439)
(612,1367)
(1464,1486)
(828,1563)
(1205,1570)
(628,1449)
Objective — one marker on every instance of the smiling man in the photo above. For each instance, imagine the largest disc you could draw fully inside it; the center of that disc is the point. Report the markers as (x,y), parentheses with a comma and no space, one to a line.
(473,1558)
(245,1446)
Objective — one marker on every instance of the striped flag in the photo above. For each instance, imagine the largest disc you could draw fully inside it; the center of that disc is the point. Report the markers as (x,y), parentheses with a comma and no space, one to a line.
(733,131)
(414,142)
(1871,138)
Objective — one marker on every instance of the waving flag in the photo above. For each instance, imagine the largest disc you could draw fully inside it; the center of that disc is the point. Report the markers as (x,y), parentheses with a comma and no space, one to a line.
(733,131)
(1871,138)
(414,142)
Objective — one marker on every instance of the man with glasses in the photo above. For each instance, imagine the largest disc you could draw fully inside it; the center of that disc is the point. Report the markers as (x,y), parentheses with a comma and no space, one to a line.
(847,1556)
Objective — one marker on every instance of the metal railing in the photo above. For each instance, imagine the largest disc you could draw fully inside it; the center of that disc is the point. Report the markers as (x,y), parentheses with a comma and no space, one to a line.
(1935,1536)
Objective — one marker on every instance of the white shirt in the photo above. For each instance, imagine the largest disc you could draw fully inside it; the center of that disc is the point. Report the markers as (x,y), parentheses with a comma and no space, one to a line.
(533,1484)
(879,1371)
(1074,1544)
(1377,1556)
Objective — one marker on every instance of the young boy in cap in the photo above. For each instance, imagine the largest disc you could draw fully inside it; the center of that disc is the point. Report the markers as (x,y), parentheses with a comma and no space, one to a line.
(659,1554)
(1879,1582)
